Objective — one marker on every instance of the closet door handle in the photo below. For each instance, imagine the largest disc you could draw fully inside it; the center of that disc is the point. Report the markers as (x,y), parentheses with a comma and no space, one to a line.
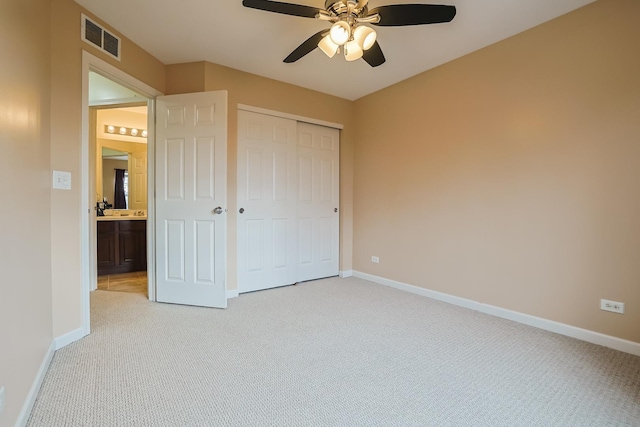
(241,210)
(217,210)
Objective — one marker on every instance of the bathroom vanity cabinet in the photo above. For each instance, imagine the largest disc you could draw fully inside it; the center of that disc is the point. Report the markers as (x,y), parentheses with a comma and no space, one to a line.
(122,246)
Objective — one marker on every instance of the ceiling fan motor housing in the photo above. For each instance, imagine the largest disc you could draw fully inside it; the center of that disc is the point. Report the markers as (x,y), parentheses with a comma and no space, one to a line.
(344,8)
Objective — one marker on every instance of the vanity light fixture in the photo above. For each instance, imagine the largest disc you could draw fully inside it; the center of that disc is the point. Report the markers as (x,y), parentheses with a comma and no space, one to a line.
(125,131)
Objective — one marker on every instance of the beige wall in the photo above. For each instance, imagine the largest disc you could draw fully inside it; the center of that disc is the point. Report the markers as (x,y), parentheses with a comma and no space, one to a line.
(511,176)
(66,143)
(25,230)
(250,89)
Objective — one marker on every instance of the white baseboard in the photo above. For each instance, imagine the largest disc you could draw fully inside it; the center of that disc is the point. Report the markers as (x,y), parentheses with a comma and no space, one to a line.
(620,344)
(68,338)
(25,413)
(232,293)
(346,273)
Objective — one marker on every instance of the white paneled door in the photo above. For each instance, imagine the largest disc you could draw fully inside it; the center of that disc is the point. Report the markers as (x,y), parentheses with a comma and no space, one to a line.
(191,156)
(318,198)
(288,194)
(138,180)
(266,201)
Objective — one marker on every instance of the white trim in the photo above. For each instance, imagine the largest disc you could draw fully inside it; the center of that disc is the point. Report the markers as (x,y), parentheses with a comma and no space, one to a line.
(68,338)
(295,117)
(25,412)
(526,319)
(232,293)
(346,273)
(93,63)
(151,198)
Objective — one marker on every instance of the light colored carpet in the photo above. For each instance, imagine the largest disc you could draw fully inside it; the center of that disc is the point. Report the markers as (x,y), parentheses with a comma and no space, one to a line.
(334,352)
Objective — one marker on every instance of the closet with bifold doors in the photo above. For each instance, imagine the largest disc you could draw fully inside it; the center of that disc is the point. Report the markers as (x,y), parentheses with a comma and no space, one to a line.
(288,201)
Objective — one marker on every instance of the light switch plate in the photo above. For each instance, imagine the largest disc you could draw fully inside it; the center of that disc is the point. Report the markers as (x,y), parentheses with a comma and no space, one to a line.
(62,180)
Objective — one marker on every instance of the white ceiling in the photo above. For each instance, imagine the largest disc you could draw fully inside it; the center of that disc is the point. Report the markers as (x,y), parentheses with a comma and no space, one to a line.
(103,91)
(226,33)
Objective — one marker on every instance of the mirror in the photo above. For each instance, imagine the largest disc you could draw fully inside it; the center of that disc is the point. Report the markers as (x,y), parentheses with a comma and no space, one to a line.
(118,150)
(130,157)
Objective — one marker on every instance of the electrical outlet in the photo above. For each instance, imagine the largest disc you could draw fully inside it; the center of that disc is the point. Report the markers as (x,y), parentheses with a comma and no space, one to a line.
(1,399)
(613,306)
(375,259)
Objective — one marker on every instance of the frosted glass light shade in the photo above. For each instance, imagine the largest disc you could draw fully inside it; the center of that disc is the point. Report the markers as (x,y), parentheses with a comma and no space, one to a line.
(352,51)
(134,132)
(340,32)
(365,37)
(123,131)
(328,46)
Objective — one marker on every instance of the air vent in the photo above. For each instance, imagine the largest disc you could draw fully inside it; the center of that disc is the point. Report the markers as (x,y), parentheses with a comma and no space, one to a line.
(99,37)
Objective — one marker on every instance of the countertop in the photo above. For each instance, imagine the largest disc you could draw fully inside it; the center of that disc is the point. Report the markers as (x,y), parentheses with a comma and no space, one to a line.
(121,218)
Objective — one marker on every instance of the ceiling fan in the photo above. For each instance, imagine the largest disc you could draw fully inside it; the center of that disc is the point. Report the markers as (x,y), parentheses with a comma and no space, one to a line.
(348,16)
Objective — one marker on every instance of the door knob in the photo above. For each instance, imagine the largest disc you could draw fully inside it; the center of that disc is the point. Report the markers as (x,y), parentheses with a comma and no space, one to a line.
(241,210)
(217,210)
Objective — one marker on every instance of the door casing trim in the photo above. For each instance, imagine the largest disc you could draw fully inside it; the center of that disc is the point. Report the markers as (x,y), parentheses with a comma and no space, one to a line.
(295,117)
(88,263)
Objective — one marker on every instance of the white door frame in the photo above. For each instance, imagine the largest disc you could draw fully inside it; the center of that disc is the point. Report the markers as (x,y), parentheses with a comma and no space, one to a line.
(88,249)
(295,117)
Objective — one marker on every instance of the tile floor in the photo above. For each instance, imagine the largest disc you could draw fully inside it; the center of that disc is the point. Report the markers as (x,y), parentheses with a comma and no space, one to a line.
(135,282)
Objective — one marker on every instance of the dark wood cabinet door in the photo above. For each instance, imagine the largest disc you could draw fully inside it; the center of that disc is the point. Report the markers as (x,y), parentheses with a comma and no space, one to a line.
(122,246)
(106,246)
(128,250)
(106,251)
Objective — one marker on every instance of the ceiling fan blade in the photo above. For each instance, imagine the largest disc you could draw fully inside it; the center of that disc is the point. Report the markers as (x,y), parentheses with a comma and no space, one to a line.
(284,8)
(396,15)
(374,56)
(306,47)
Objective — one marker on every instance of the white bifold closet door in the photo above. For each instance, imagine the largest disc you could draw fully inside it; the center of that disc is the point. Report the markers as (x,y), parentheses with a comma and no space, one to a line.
(288,195)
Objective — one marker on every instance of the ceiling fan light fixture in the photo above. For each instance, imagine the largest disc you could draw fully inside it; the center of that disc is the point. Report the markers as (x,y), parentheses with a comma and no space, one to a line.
(328,46)
(352,51)
(365,36)
(340,33)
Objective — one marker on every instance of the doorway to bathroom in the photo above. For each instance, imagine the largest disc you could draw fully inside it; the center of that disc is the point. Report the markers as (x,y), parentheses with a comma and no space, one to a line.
(120,137)
(118,122)
(136,93)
